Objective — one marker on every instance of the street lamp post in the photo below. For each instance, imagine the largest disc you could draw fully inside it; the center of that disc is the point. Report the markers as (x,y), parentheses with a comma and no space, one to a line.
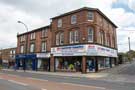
(24,63)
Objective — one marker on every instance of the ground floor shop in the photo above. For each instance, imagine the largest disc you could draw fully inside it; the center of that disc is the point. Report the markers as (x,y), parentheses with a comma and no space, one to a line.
(8,63)
(36,62)
(82,58)
(83,64)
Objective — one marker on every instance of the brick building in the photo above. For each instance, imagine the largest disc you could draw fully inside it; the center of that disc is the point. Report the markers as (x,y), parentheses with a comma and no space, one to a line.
(7,57)
(82,40)
(33,49)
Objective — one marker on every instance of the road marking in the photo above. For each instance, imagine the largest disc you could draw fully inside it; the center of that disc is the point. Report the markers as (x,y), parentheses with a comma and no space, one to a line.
(13,75)
(84,86)
(20,83)
(37,79)
(43,89)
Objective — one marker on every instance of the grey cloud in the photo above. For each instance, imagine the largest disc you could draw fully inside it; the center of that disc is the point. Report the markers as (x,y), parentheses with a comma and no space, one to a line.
(45,8)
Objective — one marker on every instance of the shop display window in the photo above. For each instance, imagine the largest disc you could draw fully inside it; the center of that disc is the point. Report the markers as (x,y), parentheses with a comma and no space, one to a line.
(68,64)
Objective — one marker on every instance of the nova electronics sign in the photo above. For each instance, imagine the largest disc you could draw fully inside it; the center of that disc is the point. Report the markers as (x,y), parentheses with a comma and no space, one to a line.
(74,50)
(88,50)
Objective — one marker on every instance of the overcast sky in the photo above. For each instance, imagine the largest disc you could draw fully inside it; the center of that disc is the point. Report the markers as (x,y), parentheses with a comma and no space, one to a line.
(37,13)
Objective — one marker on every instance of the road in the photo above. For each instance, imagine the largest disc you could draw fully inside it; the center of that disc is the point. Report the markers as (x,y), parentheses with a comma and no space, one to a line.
(53,82)
(12,85)
(14,82)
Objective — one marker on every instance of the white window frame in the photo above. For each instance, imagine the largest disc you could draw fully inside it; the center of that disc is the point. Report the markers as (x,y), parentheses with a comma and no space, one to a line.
(22,38)
(44,33)
(90,16)
(32,35)
(90,34)
(59,23)
(32,47)
(101,37)
(22,49)
(73,19)
(61,38)
(71,37)
(57,39)
(76,36)
(43,47)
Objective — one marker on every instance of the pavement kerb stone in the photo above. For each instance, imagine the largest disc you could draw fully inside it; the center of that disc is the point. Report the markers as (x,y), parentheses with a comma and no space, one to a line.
(89,75)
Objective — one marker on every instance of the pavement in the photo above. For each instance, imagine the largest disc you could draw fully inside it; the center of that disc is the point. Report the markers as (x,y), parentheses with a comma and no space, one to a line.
(121,77)
(68,74)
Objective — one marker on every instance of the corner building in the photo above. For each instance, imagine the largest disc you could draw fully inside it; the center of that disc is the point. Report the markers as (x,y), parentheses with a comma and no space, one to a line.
(83,40)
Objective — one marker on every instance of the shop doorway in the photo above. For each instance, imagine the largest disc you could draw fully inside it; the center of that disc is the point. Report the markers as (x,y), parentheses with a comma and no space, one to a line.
(43,64)
(90,65)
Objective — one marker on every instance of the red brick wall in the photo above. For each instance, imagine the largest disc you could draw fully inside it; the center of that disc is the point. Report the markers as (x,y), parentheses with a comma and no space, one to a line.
(82,25)
(37,41)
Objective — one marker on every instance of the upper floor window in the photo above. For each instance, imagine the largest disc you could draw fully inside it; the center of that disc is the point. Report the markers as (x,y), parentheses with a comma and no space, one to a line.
(32,36)
(22,38)
(71,37)
(43,47)
(60,38)
(14,51)
(73,19)
(90,34)
(90,15)
(22,49)
(59,22)
(74,36)
(101,37)
(57,39)
(32,47)
(44,33)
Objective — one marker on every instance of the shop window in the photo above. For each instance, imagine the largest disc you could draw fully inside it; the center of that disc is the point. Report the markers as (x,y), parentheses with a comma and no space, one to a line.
(66,64)
(90,34)
(107,62)
(22,49)
(101,64)
(44,33)
(43,47)
(90,15)
(59,22)
(104,63)
(73,19)
(43,65)
(32,48)
(90,65)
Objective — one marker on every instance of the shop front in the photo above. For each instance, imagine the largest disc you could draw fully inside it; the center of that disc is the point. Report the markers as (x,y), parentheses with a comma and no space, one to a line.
(26,62)
(83,58)
(43,61)
(68,64)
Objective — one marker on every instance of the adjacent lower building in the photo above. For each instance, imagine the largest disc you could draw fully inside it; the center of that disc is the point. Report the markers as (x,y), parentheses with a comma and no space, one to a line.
(33,49)
(7,57)
(82,40)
